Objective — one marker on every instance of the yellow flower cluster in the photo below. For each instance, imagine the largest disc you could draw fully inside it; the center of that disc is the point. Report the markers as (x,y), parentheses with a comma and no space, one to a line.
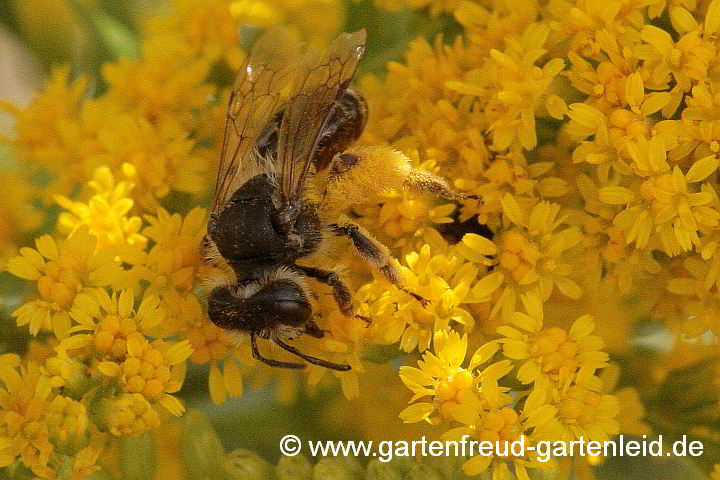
(581,133)
(116,289)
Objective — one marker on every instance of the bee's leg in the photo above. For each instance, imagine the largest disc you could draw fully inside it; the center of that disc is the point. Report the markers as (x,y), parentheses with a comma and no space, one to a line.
(374,253)
(270,361)
(312,329)
(341,292)
(426,182)
(341,367)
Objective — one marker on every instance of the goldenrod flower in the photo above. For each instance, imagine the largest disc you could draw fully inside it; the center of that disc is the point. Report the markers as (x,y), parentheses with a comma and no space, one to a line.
(698,303)
(23,418)
(517,86)
(153,370)
(533,256)
(444,279)
(686,60)
(175,260)
(583,412)
(590,133)
(66,372)
(48,131)
(85,462)
(132,415)
(105,213)
(669,210)
(62,271)
(66,418)
(497,421)
(112,322)
(17,214)
(441,376)
(550,354)
(209,342)
(163,87)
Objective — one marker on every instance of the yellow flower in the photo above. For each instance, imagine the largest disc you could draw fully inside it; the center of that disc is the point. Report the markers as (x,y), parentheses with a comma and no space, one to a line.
(403,213)
(175,264)
(23,418)
(209,341)
(496,420)
(508,173)
(153,370)
(132,415)
(445,279)
(176,258)
(550,354)
(156,157)
(669,210)
(583,412)
(208,27)
(67,373)
(62,271)
(533,256)
(17,214)
(85,462)
(225,383)
(698,301)
(166,84)
(66,418)
(453,388)
(686,60)
(48,130)
(112,322)
(105,213)
(517,87)
(696,132)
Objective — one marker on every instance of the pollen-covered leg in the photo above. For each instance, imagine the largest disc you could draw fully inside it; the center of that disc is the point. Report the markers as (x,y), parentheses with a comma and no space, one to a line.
(427,182)
(374,253)
(361,175)
(341,292)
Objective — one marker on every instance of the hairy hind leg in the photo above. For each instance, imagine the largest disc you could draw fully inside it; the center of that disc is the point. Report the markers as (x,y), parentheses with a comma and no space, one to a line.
(426,182)
(374,253)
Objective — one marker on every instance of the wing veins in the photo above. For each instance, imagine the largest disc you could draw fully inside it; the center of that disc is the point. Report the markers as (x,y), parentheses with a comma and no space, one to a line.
(323,81)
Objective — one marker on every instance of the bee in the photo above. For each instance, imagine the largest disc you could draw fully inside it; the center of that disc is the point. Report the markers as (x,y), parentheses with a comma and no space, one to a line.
(292,118)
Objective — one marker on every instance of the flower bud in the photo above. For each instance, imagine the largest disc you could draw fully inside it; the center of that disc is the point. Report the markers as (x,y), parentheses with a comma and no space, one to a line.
(338,469)
(245,465)
(294,468)
(201,448)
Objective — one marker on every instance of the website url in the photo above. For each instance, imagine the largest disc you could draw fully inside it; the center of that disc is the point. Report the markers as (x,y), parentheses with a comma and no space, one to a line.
(543,451)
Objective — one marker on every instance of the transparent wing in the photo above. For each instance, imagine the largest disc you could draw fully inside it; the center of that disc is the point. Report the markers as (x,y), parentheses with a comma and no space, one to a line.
(320,82)
(253,100)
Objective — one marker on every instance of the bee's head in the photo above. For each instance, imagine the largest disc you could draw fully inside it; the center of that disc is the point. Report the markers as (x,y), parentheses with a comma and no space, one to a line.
(257,307)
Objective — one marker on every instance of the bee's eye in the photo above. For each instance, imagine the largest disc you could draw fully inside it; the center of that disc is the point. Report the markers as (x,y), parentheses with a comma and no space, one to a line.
(282,292)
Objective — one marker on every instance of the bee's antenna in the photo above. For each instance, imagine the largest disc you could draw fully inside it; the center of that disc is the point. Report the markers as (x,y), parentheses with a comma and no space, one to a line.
(270,361)
(341,367)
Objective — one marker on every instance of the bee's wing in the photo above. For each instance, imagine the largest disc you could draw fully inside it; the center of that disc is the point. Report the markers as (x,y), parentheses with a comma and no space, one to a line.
(321,80)
(253,101)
